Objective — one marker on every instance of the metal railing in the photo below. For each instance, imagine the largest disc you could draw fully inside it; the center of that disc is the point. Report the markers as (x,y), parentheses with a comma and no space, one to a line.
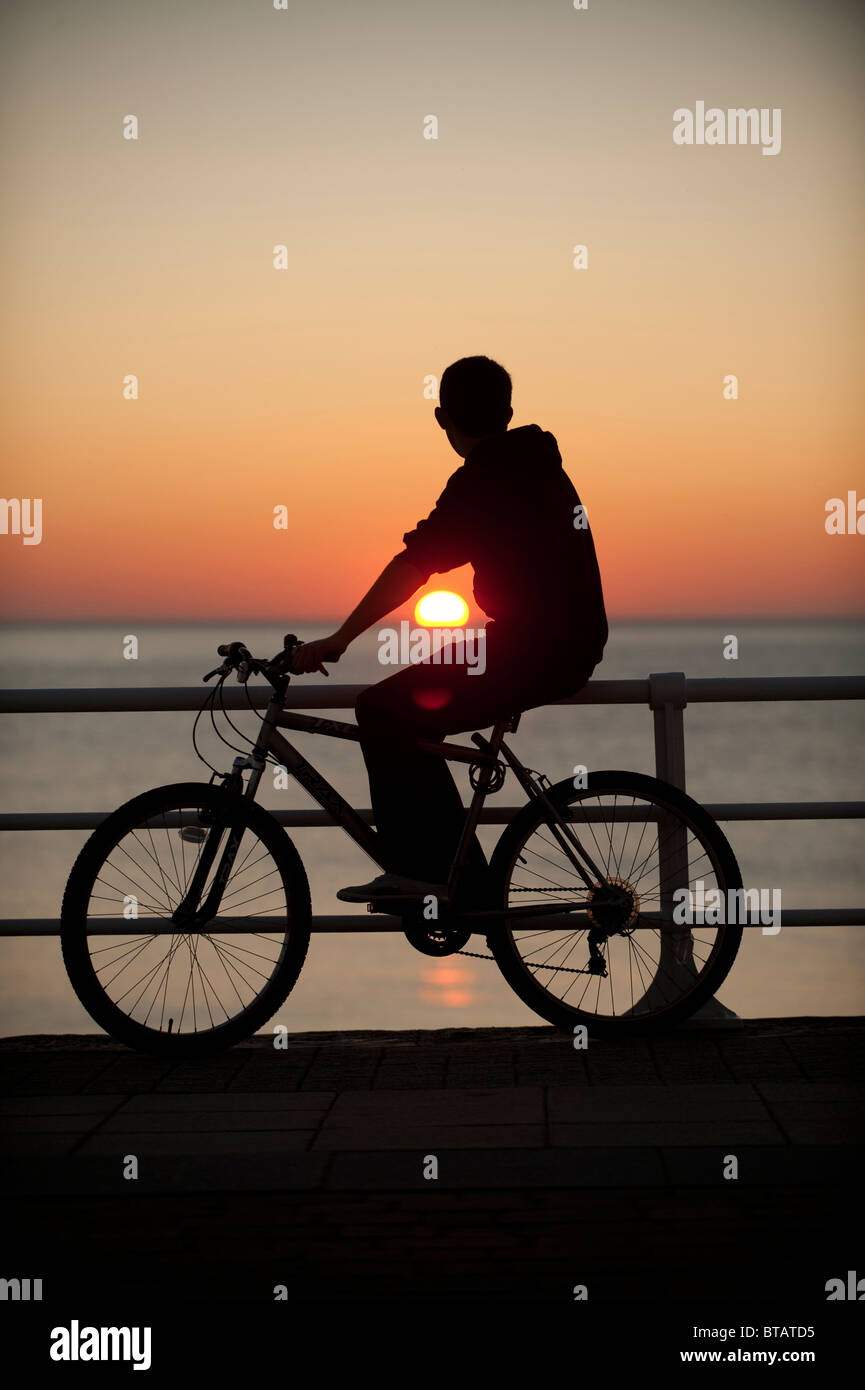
(667,694)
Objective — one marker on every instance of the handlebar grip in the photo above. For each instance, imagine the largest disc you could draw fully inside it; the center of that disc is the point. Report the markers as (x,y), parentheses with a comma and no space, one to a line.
(234,651)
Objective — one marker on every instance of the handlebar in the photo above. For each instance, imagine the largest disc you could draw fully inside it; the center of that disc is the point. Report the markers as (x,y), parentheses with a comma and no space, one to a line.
(237,657)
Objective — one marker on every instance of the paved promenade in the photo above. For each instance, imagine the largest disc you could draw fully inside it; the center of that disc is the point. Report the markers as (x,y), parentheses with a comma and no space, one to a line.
(453,1163)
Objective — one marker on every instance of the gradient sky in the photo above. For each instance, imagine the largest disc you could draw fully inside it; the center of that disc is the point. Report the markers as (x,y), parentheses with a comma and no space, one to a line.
(305,386)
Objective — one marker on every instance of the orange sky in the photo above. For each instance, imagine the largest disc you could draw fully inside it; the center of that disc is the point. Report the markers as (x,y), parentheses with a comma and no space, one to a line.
(304,387)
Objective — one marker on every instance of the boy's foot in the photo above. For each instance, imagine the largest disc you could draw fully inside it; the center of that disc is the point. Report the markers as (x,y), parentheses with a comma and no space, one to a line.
(391,886)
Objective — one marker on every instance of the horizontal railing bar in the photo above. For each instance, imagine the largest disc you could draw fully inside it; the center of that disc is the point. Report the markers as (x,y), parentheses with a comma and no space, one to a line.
(50,926)
(720,689)
(94,699)
(697,690)
(721,811)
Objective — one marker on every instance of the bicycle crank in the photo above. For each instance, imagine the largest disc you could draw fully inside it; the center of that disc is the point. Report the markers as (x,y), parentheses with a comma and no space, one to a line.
(441,937)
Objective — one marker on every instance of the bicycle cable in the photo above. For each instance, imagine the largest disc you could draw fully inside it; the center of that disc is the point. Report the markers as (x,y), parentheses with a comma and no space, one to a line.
(251,742)
(224,712)
(208,706)
(213,703)
(205,705)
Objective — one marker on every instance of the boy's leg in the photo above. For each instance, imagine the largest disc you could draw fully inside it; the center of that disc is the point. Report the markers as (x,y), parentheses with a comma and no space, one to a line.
(418,810)
(417,806)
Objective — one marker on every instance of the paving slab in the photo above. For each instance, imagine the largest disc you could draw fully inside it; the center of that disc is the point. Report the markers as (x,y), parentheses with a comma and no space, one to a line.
(583,1104)
(501,1105)
(514,1168)
(228,1102)
(727,1132)
(185,1142)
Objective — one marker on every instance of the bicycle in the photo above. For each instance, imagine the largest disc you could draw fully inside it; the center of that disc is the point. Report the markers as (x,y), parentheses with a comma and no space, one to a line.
(582,899)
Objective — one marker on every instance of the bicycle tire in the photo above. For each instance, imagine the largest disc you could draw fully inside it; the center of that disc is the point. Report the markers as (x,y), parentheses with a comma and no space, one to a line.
(85,872)
(501,940)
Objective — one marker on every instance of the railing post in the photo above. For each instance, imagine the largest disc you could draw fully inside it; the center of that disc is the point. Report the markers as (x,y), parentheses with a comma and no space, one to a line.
(668,699)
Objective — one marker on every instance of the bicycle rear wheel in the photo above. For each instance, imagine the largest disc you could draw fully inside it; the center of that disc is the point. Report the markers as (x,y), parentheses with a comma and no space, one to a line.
(190,989)
(622,974)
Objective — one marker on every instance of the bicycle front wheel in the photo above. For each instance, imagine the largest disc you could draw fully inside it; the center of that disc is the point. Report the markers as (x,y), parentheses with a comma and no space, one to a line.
(632,969)
(185,988)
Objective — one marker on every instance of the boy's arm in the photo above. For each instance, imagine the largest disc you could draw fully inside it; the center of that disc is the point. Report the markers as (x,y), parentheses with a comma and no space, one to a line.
(397,582)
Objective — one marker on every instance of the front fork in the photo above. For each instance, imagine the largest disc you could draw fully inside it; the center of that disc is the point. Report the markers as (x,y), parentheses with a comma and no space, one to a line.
(188,914)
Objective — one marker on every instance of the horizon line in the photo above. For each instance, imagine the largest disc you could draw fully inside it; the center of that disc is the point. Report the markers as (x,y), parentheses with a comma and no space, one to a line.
(198,621)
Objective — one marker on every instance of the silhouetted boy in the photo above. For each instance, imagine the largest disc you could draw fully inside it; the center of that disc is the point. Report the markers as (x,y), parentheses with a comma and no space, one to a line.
(512,512)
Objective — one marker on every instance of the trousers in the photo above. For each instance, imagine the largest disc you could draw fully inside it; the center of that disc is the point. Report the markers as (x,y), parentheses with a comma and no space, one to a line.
(418,810)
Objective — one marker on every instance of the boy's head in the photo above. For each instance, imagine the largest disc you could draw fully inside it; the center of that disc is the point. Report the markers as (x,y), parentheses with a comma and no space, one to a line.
(474,401)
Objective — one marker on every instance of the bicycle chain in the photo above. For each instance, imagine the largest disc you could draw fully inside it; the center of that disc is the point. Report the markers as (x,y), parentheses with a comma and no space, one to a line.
(568,888)
(567,969)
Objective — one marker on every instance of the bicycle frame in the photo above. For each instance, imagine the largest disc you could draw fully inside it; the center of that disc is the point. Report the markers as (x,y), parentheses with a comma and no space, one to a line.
(485,756)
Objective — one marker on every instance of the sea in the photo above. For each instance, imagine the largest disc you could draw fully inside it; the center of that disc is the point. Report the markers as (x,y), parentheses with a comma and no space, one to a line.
(799,750)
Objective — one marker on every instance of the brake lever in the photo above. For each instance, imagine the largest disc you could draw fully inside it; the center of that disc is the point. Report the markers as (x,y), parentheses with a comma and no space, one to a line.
(274,669)
(280,665)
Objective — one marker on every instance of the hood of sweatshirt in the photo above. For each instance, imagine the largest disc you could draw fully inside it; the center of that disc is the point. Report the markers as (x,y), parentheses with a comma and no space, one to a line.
(528,449)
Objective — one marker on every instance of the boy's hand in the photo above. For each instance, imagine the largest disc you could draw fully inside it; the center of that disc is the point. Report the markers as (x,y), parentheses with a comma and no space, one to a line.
(312,654)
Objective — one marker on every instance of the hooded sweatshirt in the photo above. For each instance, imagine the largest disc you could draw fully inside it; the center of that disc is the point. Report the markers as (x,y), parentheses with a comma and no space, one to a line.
(509,511)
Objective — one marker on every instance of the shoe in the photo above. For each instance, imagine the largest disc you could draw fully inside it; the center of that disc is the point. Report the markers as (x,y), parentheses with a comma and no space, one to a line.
(391,886)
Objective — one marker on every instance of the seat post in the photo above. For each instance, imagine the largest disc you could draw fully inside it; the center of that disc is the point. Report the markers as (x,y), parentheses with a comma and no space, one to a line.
(500,728)
(497,736)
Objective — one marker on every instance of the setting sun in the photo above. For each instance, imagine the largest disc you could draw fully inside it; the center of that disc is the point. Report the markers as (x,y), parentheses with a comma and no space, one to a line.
(441,609)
